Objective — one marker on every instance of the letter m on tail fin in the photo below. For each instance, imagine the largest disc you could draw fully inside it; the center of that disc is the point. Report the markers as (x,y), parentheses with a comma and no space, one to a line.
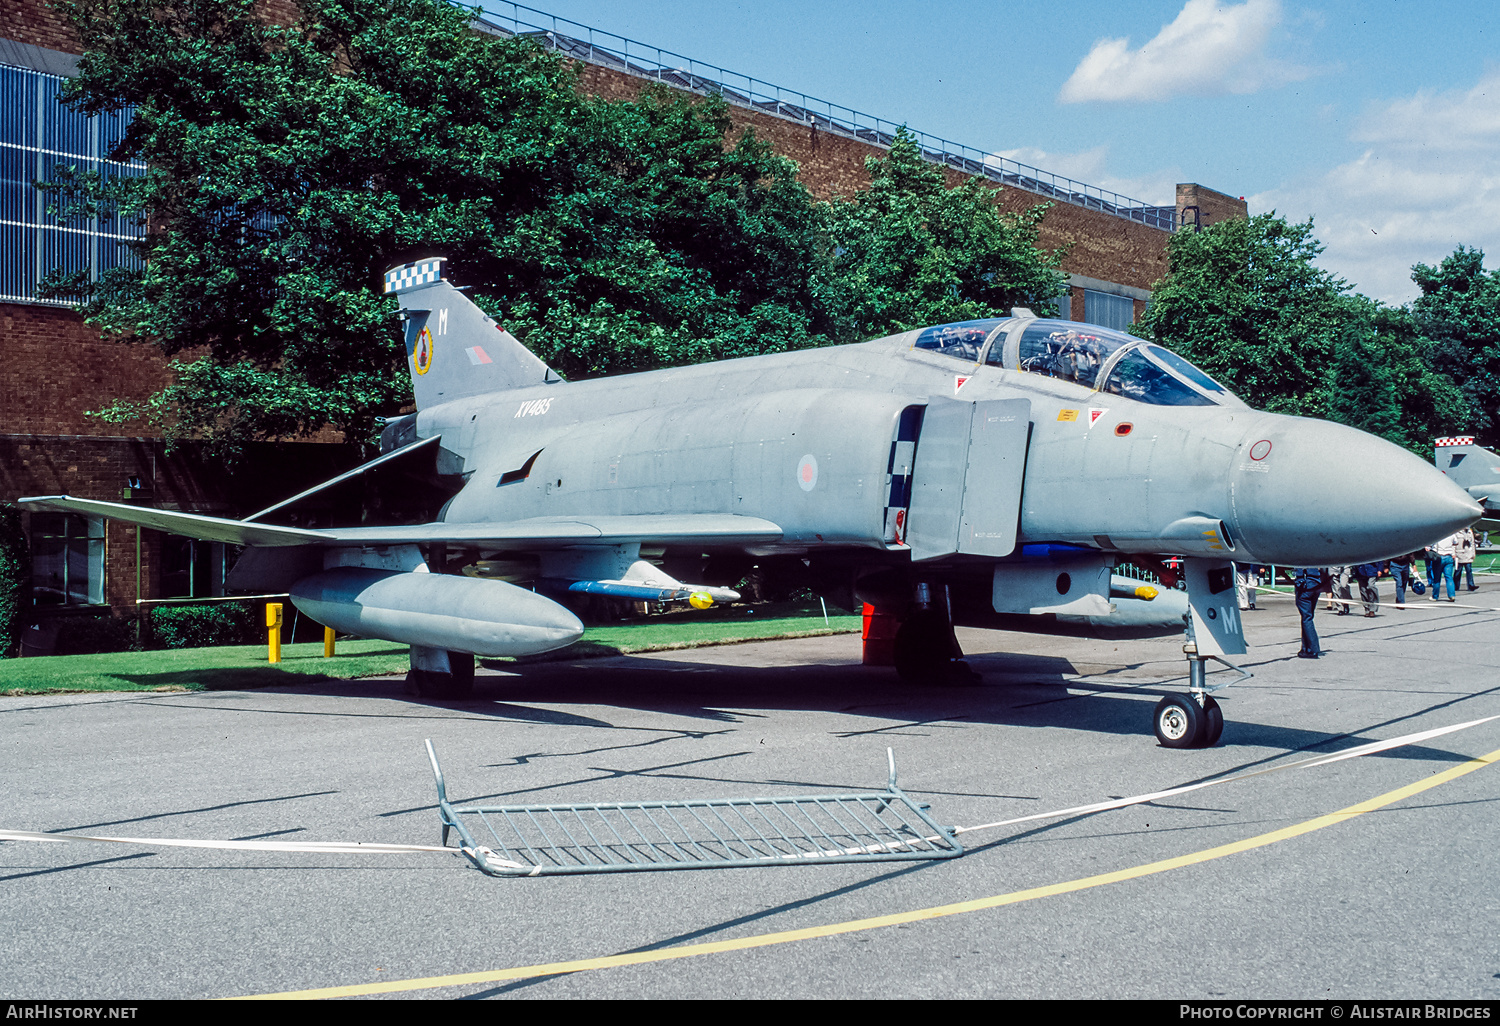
(454,350)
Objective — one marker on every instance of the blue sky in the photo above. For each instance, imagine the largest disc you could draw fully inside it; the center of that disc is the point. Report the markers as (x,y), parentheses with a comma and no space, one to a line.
(1379,119)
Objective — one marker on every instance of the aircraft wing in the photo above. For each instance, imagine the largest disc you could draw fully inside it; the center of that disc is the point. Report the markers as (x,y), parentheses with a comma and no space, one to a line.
(535,532)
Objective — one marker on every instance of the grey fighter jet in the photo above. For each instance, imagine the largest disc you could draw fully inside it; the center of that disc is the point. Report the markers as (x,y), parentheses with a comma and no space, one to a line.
(990,473)
(1472,467)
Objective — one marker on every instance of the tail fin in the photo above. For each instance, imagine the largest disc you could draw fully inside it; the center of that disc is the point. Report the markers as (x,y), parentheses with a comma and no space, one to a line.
(1471,467)
(454,350)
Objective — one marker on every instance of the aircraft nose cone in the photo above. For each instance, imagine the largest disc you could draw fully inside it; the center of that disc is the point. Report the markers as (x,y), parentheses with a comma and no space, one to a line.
(1311,493)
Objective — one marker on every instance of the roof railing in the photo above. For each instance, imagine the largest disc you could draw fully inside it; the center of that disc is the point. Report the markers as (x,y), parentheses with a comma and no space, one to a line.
(607,50)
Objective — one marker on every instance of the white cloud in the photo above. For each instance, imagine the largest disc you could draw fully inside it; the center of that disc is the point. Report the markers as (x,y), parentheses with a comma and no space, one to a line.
(1091,167)
(1428,181)
(1209,48)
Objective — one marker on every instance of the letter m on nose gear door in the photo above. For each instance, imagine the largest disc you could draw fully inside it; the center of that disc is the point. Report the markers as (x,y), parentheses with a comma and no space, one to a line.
(967,475)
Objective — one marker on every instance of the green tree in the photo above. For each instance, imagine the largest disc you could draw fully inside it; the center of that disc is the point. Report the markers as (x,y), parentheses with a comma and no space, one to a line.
(290,164)
(15,578)
(910,251)
(1382,380)
(1459,314)
(1243,300)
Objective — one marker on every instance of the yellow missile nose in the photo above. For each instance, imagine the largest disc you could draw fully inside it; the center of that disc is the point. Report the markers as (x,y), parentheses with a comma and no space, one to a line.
(700,600)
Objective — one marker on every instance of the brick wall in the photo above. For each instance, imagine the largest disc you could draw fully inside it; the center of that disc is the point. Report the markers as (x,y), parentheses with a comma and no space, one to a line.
(57,368)
(1213,206)
(1098,245)
(34,22)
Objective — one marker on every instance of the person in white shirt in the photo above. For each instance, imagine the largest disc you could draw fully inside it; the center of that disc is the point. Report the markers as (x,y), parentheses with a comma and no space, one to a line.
(1445,564)
(1463,555)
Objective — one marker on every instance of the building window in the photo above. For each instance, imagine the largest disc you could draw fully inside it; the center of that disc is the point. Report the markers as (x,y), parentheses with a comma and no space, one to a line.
(192,568)
(37,133)
(1108,311)
(67,559)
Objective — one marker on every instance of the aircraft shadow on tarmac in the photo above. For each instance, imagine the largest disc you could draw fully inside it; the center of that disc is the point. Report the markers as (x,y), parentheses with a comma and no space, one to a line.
(1013,689)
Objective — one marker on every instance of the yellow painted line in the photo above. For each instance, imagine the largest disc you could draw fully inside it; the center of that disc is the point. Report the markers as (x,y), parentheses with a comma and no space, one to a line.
(897,919)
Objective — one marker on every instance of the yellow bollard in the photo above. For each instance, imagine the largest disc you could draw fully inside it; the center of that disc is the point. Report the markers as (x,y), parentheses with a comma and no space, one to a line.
(327,642)
(273,628)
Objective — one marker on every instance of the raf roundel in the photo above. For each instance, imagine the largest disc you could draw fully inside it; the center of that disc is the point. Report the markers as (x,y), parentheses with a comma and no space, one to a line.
(807,473)
(421,356)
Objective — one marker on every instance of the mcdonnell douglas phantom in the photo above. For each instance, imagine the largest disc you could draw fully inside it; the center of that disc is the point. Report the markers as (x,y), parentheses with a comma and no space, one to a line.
(990,473)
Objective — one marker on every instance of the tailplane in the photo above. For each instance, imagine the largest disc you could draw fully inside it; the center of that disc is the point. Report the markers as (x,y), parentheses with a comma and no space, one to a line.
(1471,467)
(455,350)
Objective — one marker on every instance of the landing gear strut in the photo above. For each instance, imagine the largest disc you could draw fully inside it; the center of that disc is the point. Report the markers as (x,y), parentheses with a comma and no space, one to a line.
(926,650)
(435,673)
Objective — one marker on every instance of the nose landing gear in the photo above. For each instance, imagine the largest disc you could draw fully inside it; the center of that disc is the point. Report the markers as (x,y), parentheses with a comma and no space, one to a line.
(1193,720)
(1188,721)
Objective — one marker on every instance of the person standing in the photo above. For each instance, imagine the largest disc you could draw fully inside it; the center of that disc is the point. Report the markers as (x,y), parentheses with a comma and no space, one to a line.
(1444,550)
(1401,568)
(1307,581)
(1463,557)
(1246,583)
(1340,599)
(1365,574)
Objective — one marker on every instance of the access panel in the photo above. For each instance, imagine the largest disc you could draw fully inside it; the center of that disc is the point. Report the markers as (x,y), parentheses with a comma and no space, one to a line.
(966,483)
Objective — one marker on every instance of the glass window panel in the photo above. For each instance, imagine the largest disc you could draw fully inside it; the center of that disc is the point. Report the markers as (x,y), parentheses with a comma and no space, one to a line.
(1109,311)
(1184,369)
(40,133)
(67,559)
(962,341)
(1068,350)
(48,559)
(1136,377)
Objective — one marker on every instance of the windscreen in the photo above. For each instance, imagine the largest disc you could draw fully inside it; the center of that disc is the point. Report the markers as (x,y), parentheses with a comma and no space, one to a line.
(1136,376)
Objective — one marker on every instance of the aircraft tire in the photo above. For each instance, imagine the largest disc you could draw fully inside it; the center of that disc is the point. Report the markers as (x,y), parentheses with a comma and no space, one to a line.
(445,687)
(1213,723)
(1178,722)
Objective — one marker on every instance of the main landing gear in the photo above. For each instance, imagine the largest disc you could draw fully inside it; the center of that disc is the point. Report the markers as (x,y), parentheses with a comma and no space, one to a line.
(925,650)
(1193,720)
(438,674)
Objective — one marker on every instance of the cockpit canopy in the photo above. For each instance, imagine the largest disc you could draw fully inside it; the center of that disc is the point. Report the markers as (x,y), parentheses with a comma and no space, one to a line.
(1088,355)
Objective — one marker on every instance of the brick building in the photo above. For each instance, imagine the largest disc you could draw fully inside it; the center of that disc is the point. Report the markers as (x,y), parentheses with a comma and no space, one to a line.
(57,368)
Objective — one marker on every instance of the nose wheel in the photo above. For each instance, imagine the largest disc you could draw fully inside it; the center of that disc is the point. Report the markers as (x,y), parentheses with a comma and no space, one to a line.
(1188,721)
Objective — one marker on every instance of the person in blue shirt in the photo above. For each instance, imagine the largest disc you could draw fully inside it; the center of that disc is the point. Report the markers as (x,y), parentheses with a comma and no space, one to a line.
(1308,582)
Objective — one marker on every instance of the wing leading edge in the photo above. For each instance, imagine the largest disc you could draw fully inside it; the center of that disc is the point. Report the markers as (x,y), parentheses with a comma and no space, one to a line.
(665,529)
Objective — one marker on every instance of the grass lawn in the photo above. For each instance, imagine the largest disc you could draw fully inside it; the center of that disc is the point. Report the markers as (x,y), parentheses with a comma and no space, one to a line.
(233,667)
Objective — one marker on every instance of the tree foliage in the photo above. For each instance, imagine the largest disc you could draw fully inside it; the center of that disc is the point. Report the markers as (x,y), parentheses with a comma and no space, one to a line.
(290,164)
(1382,380)
(1244,300)
(15,578)
(910,251)
(1459,312)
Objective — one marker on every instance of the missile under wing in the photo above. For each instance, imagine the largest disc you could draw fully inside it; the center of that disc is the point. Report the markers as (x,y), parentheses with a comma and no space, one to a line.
(989,473)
